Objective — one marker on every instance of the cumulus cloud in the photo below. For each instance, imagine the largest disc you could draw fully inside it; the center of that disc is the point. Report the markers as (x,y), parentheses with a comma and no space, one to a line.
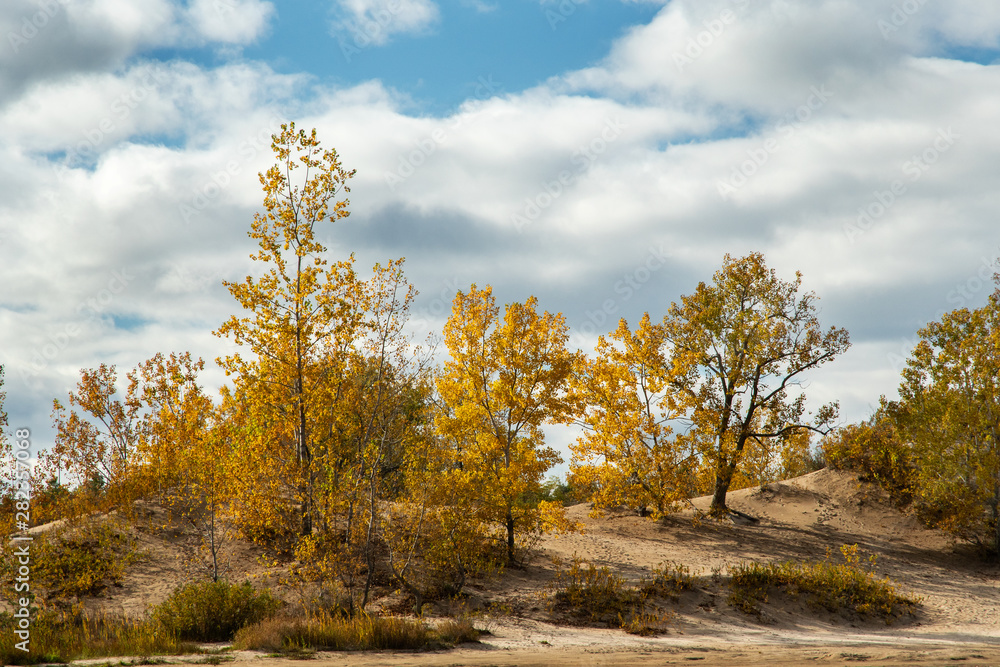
(866,161)
(373,22)
(53,39)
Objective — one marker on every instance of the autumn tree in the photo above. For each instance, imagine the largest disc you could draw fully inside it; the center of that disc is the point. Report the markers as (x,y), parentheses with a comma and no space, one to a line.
(301,310)
(98,442)
(739,350)
(629,453)
(187,449)
(949,411)
(377,409)
(505,379)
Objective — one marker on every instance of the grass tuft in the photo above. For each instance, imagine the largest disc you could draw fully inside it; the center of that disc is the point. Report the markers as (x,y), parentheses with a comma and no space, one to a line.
(65,635)
(325,631)
(832,586)
(588,594)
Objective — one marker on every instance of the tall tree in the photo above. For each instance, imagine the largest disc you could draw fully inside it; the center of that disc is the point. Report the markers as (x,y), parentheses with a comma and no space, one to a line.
(302,308)
(949,410)
(629,453)
(740,347)
(505,379)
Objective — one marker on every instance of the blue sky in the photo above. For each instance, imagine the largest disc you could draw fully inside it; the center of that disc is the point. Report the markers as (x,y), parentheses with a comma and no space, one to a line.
(495,144)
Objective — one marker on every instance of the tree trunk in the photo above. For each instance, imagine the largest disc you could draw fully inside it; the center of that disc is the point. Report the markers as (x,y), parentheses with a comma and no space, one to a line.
(510,537)
(723,479)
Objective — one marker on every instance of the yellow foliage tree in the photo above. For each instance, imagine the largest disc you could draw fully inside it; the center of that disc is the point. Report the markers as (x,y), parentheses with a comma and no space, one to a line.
(949,410)
(739,348)
(629,454)
(99,447)
(302,310)
(505,379)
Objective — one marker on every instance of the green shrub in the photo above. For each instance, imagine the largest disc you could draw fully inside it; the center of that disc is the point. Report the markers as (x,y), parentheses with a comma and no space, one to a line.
(835,587)
(213,611)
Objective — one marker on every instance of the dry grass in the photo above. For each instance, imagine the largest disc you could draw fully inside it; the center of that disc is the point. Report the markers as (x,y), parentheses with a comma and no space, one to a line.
(360,633)
(836,587)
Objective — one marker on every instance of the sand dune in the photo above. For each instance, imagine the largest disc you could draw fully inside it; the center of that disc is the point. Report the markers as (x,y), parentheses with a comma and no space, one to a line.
(803,518)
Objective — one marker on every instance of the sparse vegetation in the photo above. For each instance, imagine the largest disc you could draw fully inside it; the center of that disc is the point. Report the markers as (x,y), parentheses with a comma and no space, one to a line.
(835,587)
(362,632)
(81,561)
(65,635)
(590,595)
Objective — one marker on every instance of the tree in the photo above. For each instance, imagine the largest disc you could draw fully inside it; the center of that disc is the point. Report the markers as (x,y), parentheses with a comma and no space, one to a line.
(187,448)
(505,379)
(949,411)
(738,347)
(302,309)
(629,453)
(104,442)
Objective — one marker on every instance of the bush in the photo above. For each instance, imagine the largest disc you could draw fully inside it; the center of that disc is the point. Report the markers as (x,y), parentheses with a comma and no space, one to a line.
(213,611)
(64,635)
(78,562)
(594,595)
(835,587)
(875,450)
(360,633)
(670,579)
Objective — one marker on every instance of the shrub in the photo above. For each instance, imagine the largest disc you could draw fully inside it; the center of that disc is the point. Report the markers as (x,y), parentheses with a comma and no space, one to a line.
(69,634)
(336,633)
(213,611)
(875,450)
(835,587)
(78,562)
(669,580)
(590,594)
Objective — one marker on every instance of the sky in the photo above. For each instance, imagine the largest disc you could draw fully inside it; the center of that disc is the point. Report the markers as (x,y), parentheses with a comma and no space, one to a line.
(602,155)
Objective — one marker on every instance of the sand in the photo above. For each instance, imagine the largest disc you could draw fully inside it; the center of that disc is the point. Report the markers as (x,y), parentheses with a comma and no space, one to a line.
(805,518)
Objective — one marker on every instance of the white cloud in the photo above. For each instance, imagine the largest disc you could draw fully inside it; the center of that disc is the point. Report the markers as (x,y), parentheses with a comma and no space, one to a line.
(230,21)
(55,39)
(168,191)
(373,22)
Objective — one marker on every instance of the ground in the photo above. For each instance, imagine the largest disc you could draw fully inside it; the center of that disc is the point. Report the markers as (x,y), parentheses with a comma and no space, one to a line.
(803,518)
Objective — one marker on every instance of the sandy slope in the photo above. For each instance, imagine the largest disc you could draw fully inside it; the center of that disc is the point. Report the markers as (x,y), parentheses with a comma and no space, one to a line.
(801,519)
